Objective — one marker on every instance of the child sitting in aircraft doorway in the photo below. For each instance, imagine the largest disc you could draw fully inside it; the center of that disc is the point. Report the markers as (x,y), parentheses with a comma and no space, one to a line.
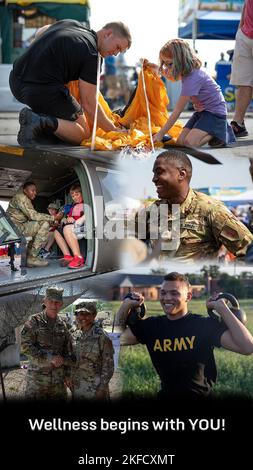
(53,209)
(65,236)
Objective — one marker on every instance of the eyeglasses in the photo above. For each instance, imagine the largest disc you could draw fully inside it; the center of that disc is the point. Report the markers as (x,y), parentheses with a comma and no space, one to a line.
(167,65)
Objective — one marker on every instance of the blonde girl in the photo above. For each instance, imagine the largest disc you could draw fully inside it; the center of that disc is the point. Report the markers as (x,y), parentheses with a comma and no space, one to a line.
(208,123)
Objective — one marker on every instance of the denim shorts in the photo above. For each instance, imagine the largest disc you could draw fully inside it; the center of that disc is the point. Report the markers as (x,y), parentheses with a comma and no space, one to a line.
(215,124)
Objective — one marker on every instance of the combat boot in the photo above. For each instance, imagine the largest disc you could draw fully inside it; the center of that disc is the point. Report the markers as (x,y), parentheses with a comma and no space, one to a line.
(34,262)
(34,126)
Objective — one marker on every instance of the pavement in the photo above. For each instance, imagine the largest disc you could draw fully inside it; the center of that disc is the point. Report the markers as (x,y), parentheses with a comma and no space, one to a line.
(9,127)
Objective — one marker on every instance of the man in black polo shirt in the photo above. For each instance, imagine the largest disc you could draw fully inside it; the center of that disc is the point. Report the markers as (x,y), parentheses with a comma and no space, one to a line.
(65,51)
(180,343)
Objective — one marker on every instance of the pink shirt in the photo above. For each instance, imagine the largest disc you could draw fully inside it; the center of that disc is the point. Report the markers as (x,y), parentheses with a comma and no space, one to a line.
(76,211)
(247,27)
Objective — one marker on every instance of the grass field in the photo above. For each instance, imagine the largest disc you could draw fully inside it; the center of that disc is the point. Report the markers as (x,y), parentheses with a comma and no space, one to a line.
(235,371)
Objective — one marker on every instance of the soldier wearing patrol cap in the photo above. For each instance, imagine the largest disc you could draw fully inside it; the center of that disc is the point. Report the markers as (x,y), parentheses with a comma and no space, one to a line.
(205,224)
(45,340)
(93,351)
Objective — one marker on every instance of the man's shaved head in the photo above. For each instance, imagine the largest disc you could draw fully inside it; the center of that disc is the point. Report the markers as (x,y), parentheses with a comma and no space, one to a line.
(180,159)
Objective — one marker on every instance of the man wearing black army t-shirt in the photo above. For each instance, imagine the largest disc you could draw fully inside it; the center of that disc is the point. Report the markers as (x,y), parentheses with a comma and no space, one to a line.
(180,343)
(63,52)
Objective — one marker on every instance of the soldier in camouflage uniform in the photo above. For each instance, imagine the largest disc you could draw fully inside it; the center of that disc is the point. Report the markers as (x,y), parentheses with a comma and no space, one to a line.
(45,340)
(30,222)
(205,224)
(93,351)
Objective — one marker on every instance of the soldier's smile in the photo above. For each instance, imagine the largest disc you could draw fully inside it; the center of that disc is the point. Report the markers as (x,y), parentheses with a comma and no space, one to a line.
(85,320)
(31,191)
(53,307)
(174,299)
(159,189)
(165,178)
(168,307)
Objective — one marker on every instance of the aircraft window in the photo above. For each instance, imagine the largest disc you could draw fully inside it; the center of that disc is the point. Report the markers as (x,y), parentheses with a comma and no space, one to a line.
(7,232)
(111,184)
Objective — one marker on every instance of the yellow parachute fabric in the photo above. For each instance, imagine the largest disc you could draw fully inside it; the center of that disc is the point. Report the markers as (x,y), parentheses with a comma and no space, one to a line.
(135,117)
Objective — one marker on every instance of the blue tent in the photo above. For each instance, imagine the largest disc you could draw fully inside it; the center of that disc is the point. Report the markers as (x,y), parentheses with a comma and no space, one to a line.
(212,25)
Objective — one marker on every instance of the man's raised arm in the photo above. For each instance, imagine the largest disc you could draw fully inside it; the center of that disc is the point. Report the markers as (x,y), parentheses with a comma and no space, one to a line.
(127,337)
(88,102)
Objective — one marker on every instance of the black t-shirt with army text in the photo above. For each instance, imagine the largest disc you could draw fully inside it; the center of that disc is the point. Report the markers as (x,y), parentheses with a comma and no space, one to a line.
(182,351)
(66,51)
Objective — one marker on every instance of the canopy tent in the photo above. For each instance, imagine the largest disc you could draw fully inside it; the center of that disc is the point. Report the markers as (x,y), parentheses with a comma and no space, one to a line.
(209,19)
(231,196)
(211,25)
(58,10)
(239,200)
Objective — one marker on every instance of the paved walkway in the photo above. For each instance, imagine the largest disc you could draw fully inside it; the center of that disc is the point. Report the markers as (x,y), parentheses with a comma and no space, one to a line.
(9,128)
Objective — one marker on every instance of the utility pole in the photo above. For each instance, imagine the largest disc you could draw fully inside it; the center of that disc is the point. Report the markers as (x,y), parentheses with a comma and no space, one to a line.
(195,24)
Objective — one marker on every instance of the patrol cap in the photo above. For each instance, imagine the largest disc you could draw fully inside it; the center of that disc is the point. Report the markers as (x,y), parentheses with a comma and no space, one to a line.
(86,306)
(52,205)
(54,293)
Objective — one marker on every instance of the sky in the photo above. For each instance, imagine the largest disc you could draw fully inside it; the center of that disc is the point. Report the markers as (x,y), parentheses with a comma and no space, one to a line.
(152,24)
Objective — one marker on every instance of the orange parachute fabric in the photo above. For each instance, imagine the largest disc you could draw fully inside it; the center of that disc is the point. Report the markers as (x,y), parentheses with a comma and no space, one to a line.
(135,117)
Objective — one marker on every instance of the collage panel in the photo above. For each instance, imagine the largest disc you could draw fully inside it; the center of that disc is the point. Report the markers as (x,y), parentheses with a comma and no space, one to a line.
(53,242)
(126,230)
(159,358)
(58,343)
(202,213)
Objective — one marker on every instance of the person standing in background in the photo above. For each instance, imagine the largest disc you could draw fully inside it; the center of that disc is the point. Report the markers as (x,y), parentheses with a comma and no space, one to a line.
(242,69)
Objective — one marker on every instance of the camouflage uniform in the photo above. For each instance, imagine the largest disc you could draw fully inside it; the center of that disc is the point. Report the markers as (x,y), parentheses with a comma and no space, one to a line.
(29,222)
(205,225)
(94,361)
(42,338)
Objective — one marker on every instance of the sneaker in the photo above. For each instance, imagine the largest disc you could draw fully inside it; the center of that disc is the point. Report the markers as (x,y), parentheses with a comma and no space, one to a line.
(216,143)
(66,260)
(239,131)
(36,262)
(166,138)
(77,262)
(43,253)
